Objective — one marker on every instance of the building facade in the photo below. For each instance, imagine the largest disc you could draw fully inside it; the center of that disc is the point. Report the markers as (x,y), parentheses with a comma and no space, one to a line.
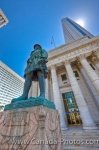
(3,19)
(74,78)
(73,82)
(11,84)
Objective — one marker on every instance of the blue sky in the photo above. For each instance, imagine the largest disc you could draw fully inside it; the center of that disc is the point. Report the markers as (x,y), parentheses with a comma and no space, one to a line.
(36,21)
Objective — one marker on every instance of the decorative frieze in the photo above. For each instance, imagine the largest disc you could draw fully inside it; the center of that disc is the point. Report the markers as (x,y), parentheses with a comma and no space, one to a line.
(87,49)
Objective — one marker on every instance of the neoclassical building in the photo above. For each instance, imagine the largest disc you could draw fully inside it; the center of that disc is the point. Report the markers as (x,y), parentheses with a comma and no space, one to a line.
(73,78)
(74,82)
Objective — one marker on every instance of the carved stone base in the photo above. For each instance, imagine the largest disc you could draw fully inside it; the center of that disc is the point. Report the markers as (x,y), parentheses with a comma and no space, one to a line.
(35,128)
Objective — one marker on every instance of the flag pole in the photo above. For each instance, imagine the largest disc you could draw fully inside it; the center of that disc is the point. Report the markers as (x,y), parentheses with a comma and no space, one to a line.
(53,42)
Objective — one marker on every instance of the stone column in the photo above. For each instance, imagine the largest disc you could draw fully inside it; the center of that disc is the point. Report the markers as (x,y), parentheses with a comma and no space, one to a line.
(35,90)
(90,85)
(30,91)
(97,65)
(91,73)
(46,89)
(57,98)
(87,120)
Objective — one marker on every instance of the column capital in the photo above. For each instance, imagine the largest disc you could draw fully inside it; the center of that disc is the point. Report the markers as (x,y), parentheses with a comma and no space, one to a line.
(66,62)
(93,57)
(78,63)
(53,66)
(80,57)
(97,53)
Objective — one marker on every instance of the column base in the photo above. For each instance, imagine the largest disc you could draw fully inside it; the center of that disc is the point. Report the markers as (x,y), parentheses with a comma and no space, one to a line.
(64,128)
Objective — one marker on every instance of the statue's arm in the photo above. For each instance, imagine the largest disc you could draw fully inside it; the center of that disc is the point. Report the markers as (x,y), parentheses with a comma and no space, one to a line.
(44,54)
(43,57)
(30,58)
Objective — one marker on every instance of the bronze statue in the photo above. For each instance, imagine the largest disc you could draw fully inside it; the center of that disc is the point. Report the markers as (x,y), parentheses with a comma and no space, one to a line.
(36,70)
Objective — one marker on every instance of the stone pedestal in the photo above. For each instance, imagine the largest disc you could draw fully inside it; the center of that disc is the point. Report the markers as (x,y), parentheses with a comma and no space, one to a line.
(34,128)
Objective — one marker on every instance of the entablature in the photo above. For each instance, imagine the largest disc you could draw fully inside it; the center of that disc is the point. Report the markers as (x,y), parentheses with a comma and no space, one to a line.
(86,49)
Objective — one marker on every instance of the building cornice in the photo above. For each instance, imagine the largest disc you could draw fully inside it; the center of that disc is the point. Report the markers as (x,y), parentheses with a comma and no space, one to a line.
(73,51)
(67,48)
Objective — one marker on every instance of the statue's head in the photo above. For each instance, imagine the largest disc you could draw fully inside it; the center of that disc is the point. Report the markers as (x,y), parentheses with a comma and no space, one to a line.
(37,46)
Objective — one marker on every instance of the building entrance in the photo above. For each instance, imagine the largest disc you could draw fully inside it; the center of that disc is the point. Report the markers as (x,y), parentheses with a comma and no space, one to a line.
(71,109)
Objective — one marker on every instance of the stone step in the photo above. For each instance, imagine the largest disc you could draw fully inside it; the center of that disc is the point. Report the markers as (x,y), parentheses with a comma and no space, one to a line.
(80,139)
(80,148)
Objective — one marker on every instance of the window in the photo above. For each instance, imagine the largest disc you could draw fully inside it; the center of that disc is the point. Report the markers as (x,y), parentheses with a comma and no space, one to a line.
(63,77)
(76,74)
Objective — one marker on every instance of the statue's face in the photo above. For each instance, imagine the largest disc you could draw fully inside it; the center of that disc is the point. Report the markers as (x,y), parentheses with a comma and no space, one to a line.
(37,47)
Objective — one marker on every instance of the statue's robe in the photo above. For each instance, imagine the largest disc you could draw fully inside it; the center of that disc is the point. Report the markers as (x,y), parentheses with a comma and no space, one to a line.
(37,62)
